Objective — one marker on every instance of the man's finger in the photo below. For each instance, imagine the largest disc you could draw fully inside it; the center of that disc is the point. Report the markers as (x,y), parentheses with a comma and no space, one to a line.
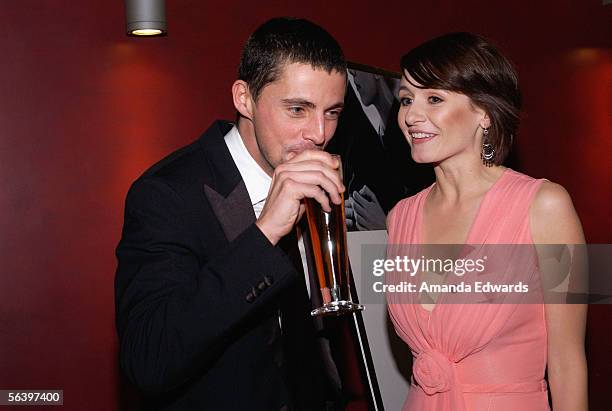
(312,191)
(312,166)
(315,178)
(367,193)
(316,155)
(359,199)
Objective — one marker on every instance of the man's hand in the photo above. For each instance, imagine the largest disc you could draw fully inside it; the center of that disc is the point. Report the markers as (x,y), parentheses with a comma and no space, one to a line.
(366,210)
(310,174)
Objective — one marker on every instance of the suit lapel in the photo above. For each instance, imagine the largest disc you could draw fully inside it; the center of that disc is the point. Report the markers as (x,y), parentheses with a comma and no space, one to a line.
(234,212)
(224,188)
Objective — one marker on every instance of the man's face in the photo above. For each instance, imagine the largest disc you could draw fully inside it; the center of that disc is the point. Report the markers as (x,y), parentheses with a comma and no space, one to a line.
(299,111)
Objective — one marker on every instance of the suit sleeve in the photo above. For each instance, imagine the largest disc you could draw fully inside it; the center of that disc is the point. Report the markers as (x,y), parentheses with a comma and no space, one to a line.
(175,311)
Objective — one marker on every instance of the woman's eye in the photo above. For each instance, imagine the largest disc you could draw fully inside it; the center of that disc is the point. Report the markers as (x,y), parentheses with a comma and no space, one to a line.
(435,99)
(405,101)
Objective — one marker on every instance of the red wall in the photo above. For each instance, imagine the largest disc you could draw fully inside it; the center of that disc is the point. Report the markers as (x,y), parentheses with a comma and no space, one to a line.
(85,109)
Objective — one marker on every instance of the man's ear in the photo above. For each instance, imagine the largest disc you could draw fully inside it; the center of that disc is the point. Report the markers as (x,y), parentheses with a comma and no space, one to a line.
(242,99)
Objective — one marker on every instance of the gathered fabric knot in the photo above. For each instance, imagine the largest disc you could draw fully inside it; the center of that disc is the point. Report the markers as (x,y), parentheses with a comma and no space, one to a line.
(433,372)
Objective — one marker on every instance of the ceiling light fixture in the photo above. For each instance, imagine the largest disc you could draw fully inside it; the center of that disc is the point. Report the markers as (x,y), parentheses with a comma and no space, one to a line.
(145,17)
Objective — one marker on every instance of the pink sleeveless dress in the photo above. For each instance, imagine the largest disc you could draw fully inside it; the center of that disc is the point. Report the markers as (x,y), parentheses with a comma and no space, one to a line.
(474,356)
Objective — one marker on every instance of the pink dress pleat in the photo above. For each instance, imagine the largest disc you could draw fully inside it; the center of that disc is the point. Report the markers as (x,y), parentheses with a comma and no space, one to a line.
(473,357)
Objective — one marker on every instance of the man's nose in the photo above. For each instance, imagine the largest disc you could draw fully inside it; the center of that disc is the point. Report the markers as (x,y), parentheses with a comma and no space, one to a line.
(315,131)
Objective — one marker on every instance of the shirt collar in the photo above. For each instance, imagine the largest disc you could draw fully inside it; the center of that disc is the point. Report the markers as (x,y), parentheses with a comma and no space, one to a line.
(255,178)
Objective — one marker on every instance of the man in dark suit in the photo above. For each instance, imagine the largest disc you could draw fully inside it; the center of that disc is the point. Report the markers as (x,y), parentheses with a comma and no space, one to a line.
(211,300)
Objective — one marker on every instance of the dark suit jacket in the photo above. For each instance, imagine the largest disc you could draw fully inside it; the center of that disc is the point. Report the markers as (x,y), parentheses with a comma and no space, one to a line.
(198,292)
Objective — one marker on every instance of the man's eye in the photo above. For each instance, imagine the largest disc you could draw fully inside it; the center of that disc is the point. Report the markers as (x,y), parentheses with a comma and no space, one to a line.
(435,99)
(296,110)
(333,114)
(405,101)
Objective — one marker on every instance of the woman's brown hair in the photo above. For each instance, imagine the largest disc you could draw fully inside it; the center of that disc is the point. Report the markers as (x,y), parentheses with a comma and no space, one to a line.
(469,64)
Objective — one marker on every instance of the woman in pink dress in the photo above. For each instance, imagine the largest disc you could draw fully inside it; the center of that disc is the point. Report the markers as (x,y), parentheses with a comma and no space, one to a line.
(459,111)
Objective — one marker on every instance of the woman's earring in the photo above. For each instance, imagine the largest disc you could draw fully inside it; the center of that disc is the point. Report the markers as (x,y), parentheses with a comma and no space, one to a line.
(488,152)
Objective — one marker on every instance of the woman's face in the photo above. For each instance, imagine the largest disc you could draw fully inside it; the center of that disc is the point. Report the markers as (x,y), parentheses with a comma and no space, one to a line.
(439,124)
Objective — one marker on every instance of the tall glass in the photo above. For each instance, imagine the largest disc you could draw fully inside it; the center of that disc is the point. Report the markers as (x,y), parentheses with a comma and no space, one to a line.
(328,242)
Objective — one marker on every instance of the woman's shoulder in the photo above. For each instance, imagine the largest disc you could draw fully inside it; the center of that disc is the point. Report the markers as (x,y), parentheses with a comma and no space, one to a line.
(516,187)
(547,195)
(412,200)
(407,205)
(553,216)
(551,195)
(521,178)
(551,199)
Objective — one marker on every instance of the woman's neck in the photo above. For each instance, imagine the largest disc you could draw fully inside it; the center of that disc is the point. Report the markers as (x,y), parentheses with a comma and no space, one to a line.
(456,183)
